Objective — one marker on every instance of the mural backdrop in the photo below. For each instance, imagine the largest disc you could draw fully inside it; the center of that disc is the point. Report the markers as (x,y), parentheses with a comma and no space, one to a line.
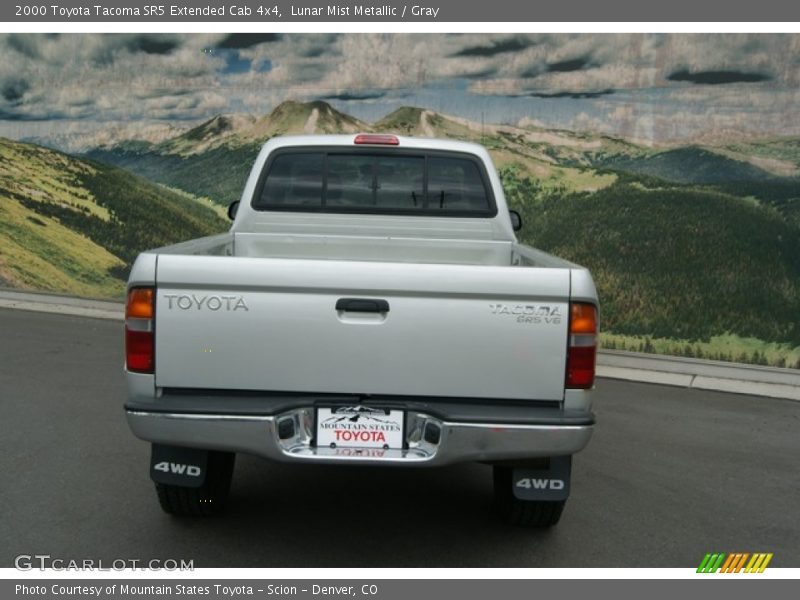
(669,164)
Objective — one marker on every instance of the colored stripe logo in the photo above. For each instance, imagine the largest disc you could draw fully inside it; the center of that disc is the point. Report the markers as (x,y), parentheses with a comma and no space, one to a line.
(738,562)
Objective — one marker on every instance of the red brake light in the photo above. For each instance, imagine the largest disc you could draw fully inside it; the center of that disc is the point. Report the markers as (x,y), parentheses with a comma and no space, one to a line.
(376,139)
(139,331)
(582,349)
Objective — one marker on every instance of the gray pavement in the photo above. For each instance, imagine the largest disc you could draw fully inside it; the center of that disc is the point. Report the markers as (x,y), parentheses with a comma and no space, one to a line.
(671,474)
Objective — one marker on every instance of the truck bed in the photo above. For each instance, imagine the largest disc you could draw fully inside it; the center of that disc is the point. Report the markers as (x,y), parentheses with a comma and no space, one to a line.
(363,248)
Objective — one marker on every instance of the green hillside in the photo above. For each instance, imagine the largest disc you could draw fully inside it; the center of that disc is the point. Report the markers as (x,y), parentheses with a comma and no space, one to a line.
(75,226)
(689,165)
(782,195)
(681,262)
(210,134)
(781,156)
(218,173)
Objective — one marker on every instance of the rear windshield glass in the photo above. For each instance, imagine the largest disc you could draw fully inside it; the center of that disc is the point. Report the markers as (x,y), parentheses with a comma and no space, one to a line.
(375,183)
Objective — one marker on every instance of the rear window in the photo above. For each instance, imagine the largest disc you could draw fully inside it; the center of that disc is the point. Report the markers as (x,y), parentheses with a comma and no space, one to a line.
(363,182)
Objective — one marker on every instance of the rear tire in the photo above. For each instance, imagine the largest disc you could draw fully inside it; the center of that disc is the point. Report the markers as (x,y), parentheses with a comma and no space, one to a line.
(207,500)
(522,513)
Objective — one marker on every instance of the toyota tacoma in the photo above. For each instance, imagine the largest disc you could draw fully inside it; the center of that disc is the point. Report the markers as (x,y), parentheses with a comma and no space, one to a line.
(370,305)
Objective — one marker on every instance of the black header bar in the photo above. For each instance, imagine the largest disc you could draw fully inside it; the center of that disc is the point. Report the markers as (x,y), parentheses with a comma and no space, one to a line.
(268,12)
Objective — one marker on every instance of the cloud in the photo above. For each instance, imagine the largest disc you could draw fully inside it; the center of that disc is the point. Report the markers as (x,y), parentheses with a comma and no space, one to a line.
(13,90)
(185,107)
(150,44)
(240,41)
(354,96)
(598,81)
(484,73)
(126,78)
(574,95)
(594,62)
(565,66)
(23,44)
(704,123)
(556,54)
(103,77)
(319,45)
(718,77)
(495,47)
(6,115)
(108,49)
(314,65)
(738,97)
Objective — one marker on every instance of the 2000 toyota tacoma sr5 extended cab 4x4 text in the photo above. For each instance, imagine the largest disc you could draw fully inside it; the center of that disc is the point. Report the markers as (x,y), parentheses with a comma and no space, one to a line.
(369,305)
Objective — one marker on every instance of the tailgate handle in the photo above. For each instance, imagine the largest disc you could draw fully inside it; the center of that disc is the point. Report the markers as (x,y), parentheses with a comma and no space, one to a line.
(362,305)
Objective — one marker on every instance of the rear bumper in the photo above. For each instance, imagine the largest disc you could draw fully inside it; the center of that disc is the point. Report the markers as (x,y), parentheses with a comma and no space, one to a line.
(431,438)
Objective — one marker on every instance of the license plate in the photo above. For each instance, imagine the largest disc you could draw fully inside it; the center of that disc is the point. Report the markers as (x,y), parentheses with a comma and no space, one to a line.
(359,427)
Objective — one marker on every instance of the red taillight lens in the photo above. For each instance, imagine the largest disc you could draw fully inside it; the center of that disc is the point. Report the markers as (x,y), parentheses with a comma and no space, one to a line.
(139,333)
(376,139)
(582,349)
(139,350)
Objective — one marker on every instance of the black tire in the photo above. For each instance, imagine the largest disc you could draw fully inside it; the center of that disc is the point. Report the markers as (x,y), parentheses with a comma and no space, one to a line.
(523,513)
(207,500)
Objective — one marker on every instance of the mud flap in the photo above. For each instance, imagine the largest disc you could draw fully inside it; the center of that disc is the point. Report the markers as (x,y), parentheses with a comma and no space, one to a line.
(173,465)
(551,483)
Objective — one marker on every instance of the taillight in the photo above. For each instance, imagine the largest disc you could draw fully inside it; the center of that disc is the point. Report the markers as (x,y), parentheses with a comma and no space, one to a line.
(377,139)
(582,349)
(139,332)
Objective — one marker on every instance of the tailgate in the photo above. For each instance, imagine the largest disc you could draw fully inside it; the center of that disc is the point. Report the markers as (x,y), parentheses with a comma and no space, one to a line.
(299,326)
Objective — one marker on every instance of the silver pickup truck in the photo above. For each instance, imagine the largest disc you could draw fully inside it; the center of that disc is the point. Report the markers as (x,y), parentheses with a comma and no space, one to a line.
(369,305)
